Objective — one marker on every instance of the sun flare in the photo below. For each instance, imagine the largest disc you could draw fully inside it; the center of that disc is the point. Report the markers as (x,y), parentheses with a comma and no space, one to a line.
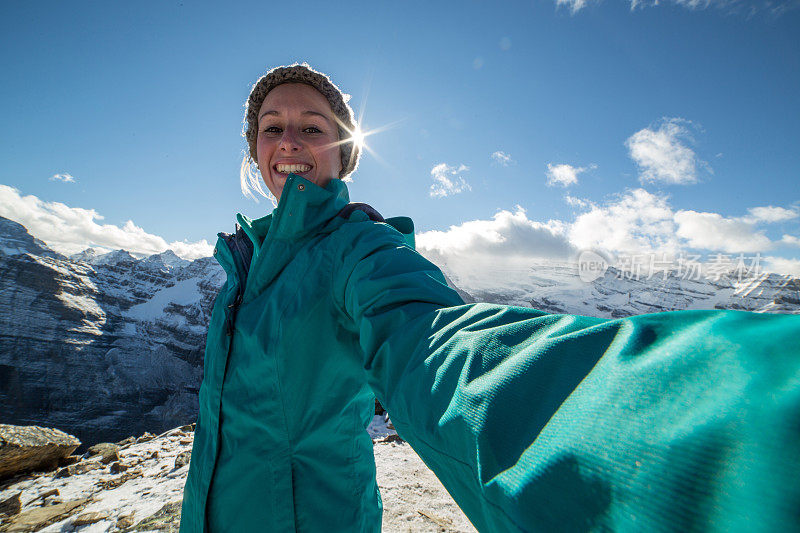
(358,137)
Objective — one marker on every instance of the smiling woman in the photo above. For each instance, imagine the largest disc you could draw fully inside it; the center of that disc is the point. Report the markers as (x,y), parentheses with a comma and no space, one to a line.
(532,421)
(318,112)
(297,134)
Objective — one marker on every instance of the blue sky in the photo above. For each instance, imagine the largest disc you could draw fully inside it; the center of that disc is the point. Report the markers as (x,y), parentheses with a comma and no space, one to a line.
(536,128)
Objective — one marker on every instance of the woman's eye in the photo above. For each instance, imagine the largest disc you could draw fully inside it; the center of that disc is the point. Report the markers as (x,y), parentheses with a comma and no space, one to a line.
(312,129)
(272,129)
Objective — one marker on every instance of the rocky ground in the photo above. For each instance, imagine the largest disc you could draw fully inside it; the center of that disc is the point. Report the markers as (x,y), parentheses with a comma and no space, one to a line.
(413,499)
(137,485)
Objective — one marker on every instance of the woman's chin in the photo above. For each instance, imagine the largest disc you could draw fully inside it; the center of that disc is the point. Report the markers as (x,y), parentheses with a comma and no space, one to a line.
(275,183)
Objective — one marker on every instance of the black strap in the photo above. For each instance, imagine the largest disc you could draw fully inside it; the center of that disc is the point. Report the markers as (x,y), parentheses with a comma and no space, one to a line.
(371,212)
(240,244)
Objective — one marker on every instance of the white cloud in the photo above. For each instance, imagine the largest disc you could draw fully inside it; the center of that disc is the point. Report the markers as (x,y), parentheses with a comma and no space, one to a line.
(791,240)
(662,153)
(712,231)
(781,265)
(642,222)
(770,214)
(691,4)
(577,202)
(564,175)
(746,7)
(191,250)
(66,178)
(447,180)
(507,236)
(634,222)
(72,229)
(502,158)
(573,5)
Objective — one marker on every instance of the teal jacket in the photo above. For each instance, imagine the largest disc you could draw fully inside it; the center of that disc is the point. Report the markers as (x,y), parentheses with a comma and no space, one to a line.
(533,422)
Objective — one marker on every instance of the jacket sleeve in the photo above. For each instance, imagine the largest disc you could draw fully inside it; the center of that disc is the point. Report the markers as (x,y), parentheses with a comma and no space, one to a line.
(684,420)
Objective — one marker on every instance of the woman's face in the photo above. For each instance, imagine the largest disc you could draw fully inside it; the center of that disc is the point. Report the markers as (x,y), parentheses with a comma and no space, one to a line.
(297,134)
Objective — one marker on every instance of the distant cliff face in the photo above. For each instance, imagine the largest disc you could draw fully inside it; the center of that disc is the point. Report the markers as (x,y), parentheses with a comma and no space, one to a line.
(108,346)
(101,347)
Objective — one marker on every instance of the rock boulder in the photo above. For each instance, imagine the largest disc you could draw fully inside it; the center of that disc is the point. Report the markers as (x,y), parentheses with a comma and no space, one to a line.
(26,448)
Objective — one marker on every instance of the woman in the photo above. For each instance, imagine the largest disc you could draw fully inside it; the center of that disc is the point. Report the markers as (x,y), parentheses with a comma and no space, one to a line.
(531,421)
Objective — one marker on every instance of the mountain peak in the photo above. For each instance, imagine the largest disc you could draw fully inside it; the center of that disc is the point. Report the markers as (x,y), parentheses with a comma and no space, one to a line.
(113,258)
(167,259)
(15,240)
(85,256)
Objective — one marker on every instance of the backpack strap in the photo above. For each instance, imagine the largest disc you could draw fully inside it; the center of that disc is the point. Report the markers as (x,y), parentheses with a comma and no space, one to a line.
(371,212)
(241,246)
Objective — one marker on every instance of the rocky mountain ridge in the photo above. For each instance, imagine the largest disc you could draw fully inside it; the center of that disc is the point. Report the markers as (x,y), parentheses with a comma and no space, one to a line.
(100,347)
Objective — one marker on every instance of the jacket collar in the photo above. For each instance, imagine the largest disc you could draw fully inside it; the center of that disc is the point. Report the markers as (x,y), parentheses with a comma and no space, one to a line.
(304,208)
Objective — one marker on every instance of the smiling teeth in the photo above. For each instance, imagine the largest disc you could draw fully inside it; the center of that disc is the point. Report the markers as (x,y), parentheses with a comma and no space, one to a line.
(285,169)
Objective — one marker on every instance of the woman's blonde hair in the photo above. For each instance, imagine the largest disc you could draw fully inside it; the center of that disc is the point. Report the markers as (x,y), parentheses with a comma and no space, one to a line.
(251,182)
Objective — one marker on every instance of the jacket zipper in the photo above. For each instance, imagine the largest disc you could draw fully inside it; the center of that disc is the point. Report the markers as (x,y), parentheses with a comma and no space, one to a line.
(230,312)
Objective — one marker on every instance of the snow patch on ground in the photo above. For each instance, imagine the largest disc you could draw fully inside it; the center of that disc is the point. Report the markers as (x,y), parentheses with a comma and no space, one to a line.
(152,486)
(413,497)
(153,481)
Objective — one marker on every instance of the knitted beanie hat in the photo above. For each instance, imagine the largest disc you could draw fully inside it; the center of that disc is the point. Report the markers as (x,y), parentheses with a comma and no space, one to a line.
(303,73)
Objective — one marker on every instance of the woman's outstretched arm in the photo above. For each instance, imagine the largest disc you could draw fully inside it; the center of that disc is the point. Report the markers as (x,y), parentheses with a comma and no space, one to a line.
(670,421)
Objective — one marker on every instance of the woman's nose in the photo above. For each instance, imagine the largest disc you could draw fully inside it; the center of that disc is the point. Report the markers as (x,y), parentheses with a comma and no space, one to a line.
(289,141)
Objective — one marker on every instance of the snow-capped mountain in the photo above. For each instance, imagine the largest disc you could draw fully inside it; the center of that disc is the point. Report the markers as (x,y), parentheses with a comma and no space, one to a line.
(166,260)
(86,256)
(106,346)
(557,288)
(101,346)
(15,240)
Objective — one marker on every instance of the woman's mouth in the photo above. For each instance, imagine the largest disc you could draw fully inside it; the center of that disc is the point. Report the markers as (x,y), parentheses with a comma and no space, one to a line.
(294,168)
